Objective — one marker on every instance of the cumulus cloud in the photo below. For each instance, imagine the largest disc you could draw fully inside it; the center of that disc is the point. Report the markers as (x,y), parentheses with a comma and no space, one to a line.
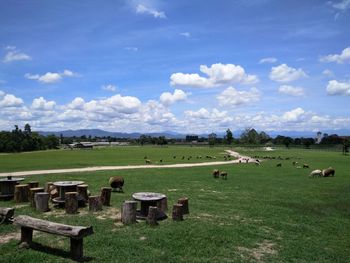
(268,60)
(77,104)
(341,58)
(9,100)
(51,77)
(109,87)
(166,98)
(185,34)
(233,97)
(217,75)
(13,54)
(142,9)
(328,73)
(42,104)
(284,73)
(335,87)
(293,115)
(291,90)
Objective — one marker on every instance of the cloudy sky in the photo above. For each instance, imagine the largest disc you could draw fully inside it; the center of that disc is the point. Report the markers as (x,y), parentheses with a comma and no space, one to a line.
(187,66)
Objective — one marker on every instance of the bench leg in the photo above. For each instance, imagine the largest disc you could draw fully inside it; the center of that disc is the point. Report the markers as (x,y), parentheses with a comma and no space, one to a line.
(26,236)
(76,248)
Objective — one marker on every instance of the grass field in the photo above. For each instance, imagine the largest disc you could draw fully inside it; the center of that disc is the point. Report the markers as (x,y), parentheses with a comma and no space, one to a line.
(260,214)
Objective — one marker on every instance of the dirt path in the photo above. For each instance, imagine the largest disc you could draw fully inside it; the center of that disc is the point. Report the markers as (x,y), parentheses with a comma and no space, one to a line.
(127,167)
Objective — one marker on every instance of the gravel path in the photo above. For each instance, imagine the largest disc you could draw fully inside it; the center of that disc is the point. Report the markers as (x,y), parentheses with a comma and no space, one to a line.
(127,167)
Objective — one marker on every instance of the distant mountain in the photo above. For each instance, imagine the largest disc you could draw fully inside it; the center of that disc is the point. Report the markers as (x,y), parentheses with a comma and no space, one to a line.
(175,135)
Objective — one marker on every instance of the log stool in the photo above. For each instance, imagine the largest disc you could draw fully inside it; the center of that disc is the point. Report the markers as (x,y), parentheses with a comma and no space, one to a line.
(42,201)
(106,196)
(33,184)
(47,187)
(21,193)
(83,192)
(71,204)
(163,204)
(152,216)
(32,192)
(95,203)
(129,212)
(184,202)
(177,212)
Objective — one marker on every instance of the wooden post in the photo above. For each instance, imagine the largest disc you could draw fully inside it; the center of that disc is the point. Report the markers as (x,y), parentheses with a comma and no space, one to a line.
(152,216)
(184,202)
(33,184)
(26,236)
(76,248)
(42,201)
(83,192)
(177,212)
(95,203)
(48,187)
(106,196)
(129,212)
(71,204)
(21,193)
(163,204)
(32,192)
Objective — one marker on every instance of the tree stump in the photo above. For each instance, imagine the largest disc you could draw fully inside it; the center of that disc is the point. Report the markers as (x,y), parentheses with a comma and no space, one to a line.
(33,184)
(177,212)
(71,204)
(21,193)
(95,203)
(163,205)
(47,187)
(83,192)
(106,196)
(152,216)
(42,201)
(129,212)
(53,192)
(32,192)
(184,202)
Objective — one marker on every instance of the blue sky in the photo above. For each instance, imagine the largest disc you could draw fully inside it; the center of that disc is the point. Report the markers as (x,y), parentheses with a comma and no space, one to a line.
(186,66)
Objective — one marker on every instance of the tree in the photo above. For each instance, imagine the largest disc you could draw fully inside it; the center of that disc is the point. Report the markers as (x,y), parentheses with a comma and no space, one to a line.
(250,136)
(229,136)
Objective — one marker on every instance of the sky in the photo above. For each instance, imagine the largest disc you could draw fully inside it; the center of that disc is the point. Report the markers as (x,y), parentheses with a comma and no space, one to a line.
(184,66)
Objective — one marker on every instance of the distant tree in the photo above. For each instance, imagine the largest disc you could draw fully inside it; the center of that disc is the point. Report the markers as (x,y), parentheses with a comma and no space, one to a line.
(229,136)
(332,139)
(51,142)
(250,136)
(264,137)
(307,142)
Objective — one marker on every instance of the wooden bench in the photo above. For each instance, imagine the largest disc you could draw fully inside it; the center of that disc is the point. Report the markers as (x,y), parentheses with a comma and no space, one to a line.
(6,214)
(75,233)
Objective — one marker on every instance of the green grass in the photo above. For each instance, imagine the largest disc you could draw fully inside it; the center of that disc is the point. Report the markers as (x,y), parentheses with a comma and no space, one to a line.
(261,213)
(104,156)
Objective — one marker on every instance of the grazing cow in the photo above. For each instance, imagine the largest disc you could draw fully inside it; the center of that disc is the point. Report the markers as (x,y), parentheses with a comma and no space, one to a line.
(305,165)
(328,172)
(316,173)
(223,175)
(116,183)
(174,157)
(216,173)
(295,163)
(161,160)
(148,161)
(279,165)
(145,157)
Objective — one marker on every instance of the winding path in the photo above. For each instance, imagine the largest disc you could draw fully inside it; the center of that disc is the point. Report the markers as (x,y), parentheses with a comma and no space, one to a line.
(127,167)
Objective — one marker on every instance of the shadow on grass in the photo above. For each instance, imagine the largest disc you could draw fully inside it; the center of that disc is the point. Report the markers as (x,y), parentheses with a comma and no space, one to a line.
(56,252)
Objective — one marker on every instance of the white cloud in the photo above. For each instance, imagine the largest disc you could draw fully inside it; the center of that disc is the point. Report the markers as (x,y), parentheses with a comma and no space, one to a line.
(51,77)
(10,100)
(343,5)
(13,54)
(291,90)
(338,88)
(293,115)
(185,34)
(77,104)
(232,97)
(328,73)
(42,104)
(141,9)
(338,58)
(268,60)
(134,49)
(218,74)
(166,98)
(202,113)
(109,87)
(284,73)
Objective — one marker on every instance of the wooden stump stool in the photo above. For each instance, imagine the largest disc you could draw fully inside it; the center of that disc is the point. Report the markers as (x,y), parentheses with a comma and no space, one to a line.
(42,201)
(71,204)
(95,203)
(177,212)
(32,192)
(129,212)
(184,202)
(33,184)
(106,196)
(83,192)
(152,216)
(21,193)
(48,186)
(163,204)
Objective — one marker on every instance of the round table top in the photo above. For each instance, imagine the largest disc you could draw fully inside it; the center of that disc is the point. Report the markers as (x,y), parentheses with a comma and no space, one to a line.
(13,179)
(147,196)
(67,183)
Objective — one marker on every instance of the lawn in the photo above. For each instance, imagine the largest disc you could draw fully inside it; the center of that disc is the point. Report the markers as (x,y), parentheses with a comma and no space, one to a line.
(260,214)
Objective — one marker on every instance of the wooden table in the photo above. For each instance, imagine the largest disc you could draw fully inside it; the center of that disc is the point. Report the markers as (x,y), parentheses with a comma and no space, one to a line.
(148,199)
(63,187)
(7,187)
